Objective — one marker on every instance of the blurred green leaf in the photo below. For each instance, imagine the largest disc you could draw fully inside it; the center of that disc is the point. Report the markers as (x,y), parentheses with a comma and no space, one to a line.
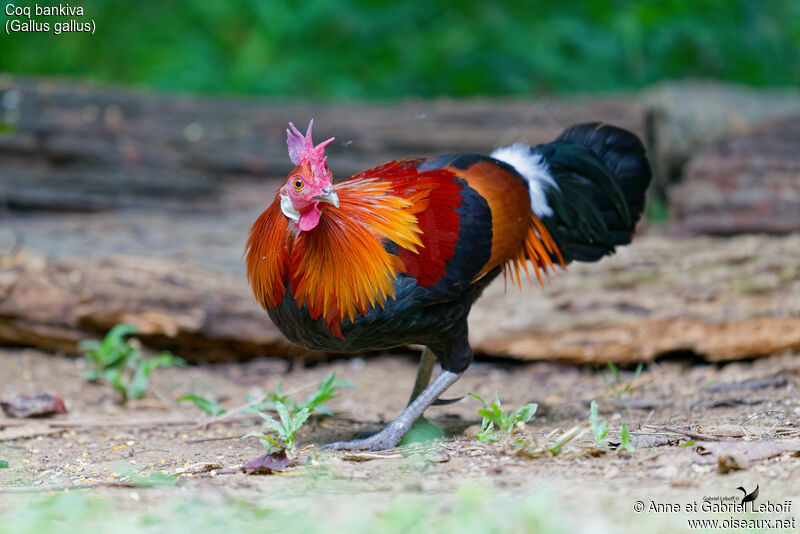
(422,431)
(326,390)
(116,361)
(209,406)
(367,49)
(493,416)
(599,428)
(625,437)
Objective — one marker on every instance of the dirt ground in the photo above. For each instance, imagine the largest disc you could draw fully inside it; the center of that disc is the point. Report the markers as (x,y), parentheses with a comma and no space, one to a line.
(745,415)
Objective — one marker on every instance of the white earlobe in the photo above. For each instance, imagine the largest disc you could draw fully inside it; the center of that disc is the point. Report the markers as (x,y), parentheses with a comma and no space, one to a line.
(288,209)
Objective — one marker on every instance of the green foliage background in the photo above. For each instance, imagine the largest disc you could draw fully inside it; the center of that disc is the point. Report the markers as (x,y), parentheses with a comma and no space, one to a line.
(378,49)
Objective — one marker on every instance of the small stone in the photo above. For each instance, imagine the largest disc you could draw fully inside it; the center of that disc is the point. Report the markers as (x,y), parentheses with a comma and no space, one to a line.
(731,462)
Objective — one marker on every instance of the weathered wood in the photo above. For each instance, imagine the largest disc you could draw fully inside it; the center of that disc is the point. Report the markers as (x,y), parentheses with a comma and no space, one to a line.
(749,184)
(688,117)
(723,299)
(199,313)
(75,146)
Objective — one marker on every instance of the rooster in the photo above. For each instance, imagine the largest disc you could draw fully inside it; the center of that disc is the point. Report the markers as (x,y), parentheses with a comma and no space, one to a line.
(398,254)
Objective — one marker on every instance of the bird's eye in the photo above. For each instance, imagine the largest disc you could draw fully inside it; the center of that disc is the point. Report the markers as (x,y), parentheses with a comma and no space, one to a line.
(298,184)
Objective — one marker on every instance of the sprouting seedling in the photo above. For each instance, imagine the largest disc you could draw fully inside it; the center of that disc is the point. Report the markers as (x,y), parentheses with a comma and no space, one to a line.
(493,416)
(625,439)
(486,433)
(285,429)
(121,364)
(600,431)
(599,428)
(617,387)
(328,388)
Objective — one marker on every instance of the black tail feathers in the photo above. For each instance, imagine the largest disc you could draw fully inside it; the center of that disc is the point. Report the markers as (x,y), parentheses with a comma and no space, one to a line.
(601,173)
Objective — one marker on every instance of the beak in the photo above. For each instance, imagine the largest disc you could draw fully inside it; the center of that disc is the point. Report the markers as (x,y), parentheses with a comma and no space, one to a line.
(328,196)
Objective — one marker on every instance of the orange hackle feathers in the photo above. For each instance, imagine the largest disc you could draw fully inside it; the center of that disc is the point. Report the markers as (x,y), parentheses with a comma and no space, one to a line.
(435,197)
(340,267)
(267,255)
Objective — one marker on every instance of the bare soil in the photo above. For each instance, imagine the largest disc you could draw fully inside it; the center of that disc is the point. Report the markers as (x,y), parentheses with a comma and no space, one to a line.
(745,417)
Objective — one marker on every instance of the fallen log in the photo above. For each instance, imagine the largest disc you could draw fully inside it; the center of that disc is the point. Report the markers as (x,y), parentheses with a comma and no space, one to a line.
(80,147)
(686,118)
(748,184)
(199,313)
(723,299)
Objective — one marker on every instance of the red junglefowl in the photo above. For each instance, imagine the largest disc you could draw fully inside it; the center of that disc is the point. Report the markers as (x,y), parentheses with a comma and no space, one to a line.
(397,254)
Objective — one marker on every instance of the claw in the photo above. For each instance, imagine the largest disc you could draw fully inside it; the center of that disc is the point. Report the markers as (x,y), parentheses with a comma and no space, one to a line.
(445,402)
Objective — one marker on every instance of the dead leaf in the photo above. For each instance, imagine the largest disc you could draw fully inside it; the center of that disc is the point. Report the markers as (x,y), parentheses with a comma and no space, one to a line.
(268,464)
(42,405)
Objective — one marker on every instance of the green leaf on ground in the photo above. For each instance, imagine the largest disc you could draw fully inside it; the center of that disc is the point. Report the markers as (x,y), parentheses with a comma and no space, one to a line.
(422,431)
(209,406)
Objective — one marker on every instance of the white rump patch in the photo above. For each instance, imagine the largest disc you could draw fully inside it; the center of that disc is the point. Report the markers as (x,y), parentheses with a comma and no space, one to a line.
(534,169)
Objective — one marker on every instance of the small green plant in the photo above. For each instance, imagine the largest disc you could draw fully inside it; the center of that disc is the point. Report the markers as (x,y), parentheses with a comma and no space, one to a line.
(328,388)
(599,428)
(3,464)
(617,387)
(279,396)
(495,417)
(600,431)
(122,365)
(625,439)
(285,429)
(209,406)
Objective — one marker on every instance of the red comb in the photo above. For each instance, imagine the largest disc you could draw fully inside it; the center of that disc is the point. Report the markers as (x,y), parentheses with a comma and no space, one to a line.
(302,149)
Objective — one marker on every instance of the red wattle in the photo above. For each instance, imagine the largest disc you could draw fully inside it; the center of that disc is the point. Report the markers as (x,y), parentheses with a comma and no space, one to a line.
(309,219)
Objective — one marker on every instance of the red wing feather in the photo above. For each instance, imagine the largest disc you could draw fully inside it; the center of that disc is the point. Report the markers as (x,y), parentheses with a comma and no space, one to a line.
(435,197)
(440,225)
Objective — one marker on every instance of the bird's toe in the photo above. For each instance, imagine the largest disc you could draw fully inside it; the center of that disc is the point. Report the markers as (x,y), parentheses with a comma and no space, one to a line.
(387,438)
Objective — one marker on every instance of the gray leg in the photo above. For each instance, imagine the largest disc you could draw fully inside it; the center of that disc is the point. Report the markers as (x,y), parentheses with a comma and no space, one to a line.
(424,371)
(394,431)
(427,359)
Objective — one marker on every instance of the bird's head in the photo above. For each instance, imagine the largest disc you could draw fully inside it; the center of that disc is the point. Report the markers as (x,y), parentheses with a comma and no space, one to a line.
(309,183)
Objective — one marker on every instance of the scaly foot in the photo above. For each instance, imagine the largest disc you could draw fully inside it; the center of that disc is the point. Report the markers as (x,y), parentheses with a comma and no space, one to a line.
(387,438)
(390,436)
